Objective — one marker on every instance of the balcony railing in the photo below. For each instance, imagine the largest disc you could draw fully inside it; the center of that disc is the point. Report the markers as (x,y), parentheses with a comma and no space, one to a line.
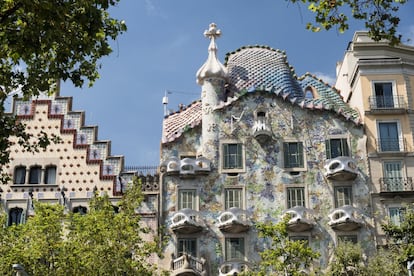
(396,184)
(393,145)
(387,102)
(187,262)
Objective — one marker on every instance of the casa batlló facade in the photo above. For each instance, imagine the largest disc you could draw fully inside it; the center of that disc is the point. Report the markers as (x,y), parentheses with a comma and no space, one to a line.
(261,142)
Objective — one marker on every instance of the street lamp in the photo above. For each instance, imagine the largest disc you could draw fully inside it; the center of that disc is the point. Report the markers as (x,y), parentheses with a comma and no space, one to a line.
(19,270)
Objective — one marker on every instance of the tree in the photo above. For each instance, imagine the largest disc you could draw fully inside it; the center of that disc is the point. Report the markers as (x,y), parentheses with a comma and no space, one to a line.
(284,256)
(101,242)
(44,41)
(348,260)
(402,235)
(385,262)
(380,17)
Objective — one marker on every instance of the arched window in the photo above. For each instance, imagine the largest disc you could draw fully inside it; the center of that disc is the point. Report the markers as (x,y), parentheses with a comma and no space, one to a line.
(82,210)
(50,175)
(19,175)
(16,216)
(35,175)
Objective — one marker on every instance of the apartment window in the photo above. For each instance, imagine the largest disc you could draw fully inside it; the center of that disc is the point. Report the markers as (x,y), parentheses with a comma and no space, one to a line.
(348,238)
(383,94)
(234,249)
(233,198)
(232,156)
(396,215)
(293,154)
(187,199)
(295,197)
(19,175)
(16,216)
(393,179)
(336,147)
(343,196)
(50,175)
(389,136)
(188,246)
(35,174)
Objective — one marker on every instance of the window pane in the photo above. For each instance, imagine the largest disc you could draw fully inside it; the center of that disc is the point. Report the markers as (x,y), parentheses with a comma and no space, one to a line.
(186,199)
(343,196)
(20,175)
(233,198)
(295,197)
(383,94)
(188,246)
(293,153)
(50,175)
(232,158)
(389,138)
(234,248)
(336,147)
(396,215)
(16,216)
(393,176)
(35,175)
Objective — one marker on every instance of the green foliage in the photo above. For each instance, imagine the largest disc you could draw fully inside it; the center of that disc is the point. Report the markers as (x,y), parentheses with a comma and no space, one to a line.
(284,256)
(43,41)
(380,17)
(386,262)
(102,242)
(348,260)
(403,234)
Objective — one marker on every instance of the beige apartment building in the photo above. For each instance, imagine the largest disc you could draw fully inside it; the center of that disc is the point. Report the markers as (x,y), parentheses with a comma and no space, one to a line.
(378,80)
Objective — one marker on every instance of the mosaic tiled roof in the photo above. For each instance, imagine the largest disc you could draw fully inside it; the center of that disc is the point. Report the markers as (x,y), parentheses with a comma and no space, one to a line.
(260,68)
(175,124)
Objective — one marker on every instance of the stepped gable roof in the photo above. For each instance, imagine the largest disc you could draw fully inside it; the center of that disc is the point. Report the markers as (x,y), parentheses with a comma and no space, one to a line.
(176,123)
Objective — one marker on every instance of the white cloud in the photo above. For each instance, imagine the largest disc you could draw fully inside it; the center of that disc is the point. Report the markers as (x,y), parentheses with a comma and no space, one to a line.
(325,77)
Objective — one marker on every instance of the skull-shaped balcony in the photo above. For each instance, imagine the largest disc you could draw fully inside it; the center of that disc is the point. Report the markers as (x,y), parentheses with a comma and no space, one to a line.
(300,219)
(261,128)
(233,268)
(233,220)
(187,265)
(342,168)
(187,167)
(345,218)
(186,221)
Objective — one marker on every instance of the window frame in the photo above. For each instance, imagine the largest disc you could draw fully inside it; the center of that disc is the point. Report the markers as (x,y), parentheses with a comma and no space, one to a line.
(182,240)
(47,175)
(228,250)
(344,199)
(344,147)
(32,170)
(393,91)
(386,173)
(399,136)
(289,200)
(21,216)
(287,155)
(23,169)
(180,204)
(240,156)
(241,200)
(400,212)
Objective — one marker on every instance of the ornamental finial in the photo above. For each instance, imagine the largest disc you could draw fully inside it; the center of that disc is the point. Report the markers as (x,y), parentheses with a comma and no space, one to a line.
(212,32)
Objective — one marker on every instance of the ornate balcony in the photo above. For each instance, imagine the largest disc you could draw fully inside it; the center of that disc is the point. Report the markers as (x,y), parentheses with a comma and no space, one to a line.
(341,168)
(233,220)
(261,130)
(186,166)
(345,218)
(186,221)
(301,219)
(396,184)
(187,265)
(387,104)
(233,268)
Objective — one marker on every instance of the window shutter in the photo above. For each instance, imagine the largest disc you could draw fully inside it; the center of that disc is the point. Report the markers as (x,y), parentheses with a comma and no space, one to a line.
(239,156)
(286,155)
(345,148)
(328,149)
(300,154)
(225,156)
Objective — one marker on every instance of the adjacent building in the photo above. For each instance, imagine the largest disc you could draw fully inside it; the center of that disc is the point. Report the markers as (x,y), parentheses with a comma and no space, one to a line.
(261,142)
(378,81)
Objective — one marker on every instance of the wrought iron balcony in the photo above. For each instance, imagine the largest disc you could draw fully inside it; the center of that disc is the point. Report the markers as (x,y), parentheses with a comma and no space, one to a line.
(391,145)
(188,265)
(391,104)
(396,184)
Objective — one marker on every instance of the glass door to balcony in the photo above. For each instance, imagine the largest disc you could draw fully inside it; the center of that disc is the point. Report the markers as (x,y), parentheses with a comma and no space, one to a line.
(389,138)
(393,177)
(383,94)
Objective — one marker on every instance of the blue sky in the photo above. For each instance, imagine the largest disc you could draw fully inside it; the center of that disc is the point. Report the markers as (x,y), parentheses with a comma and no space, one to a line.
(164,47)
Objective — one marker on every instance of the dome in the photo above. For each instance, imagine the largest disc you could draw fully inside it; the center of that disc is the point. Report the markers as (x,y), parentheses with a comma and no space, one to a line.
(257,66)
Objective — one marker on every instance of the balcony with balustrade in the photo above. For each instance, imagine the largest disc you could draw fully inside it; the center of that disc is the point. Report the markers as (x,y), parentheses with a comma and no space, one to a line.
(396,185)
(391,146)
(387,105)
(187,265)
